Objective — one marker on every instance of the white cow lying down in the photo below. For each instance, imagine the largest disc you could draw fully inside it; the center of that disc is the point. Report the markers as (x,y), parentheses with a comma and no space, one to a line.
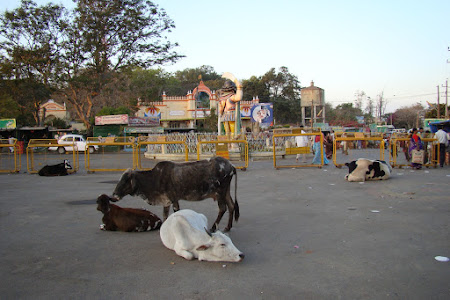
(368,169)
(185,232)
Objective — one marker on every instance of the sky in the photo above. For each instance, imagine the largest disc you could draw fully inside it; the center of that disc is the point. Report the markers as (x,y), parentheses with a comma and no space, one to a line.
(396,48)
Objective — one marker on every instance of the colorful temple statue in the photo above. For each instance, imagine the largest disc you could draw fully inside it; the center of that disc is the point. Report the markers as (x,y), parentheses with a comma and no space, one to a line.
(229,106)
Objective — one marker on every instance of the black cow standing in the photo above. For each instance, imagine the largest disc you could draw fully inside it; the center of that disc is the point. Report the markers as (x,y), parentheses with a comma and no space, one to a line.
(56,170)
(169,182)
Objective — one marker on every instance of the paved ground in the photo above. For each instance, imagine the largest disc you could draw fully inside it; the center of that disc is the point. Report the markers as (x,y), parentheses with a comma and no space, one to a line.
(306,233)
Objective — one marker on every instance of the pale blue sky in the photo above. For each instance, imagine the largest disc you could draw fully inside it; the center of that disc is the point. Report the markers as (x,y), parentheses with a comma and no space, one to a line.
(396,47)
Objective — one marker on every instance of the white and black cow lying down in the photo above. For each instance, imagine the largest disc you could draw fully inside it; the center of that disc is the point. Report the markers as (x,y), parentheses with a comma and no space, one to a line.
(367,169)
(116,218)
(56,170)
(185,232)
(169,182)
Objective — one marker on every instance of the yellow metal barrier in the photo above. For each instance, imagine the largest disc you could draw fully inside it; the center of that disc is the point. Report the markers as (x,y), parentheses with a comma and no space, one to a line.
(12,163)
(298,150)
(223,153)
(396,142)
(40,148)
(357,136)
(161,142)
(107,155)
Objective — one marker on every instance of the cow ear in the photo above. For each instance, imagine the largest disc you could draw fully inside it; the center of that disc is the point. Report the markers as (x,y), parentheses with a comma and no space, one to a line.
(203,247)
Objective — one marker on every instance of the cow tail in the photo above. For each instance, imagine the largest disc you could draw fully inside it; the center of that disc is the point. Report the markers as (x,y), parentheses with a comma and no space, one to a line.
(236,205)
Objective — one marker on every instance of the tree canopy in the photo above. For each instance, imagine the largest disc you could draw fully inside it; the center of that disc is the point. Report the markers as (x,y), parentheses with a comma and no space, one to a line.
(80,53)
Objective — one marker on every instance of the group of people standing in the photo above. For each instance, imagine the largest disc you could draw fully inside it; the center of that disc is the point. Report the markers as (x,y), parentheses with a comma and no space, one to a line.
(416,144)
(327,136)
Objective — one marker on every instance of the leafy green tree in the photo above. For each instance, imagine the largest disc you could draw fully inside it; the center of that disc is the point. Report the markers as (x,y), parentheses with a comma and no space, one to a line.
(81,54)
(210,122)
(284,91)
(30,47)
(148,84)
(188,79)
(432,113)
(8,107)
(407,116)
(343,115)
(255,87)
(57,123)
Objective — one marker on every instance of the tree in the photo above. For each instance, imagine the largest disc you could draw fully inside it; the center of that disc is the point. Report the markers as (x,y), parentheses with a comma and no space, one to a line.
(407,116)
(282,88)
(255,87)
(148,84)
(432,111)
(29,52)
(360,99)
(188,79)
(380,106)
(85,52)
(210,122)
(57,123)
(344,115)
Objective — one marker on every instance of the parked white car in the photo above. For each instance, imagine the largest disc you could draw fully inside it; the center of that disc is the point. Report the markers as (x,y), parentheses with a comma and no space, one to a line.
(70,140)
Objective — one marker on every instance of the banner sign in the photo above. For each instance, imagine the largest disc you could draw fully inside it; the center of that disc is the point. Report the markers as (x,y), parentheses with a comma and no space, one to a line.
(176,113)
(111,119)
(152,112)
(262,113)
(246,112)
(7,123)
(143,130)
(143,121)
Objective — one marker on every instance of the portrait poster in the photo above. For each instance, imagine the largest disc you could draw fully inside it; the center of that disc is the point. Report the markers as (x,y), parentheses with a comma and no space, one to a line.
(262,113)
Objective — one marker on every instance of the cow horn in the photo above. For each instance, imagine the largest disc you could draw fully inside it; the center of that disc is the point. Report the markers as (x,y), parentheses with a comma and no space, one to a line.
(208,232)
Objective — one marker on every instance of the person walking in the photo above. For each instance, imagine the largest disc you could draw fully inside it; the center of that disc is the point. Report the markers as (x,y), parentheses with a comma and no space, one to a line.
(442,138)
(302,142)
(328,142)
(317,150)
(415,143)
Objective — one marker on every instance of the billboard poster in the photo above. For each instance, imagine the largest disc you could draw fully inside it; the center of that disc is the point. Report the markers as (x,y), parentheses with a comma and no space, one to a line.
(7,123)
(143,121)
(262,113)
(246,112)
(152,112)
(111,119)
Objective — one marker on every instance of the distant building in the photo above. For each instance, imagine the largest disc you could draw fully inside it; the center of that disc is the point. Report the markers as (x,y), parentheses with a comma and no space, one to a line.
(179,113)
(52,110)
(312,105)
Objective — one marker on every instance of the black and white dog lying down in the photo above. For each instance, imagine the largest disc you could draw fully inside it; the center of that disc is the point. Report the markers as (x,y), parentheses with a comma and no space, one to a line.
(56,170)
(367,169)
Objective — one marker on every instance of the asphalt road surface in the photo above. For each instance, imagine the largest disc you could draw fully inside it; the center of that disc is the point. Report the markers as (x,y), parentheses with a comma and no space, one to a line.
(306,234)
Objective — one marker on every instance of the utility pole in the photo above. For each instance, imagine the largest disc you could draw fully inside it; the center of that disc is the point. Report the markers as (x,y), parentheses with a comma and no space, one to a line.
(438,104)
(446,99)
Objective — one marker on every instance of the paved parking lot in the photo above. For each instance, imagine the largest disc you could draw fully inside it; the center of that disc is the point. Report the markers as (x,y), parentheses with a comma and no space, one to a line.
(306,233)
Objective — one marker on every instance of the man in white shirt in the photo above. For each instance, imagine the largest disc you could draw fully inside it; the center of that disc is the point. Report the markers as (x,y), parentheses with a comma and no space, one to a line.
(301,141)
(441,136)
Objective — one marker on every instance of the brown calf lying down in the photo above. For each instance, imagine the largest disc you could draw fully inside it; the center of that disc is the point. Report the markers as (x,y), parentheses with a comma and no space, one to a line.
(126,219)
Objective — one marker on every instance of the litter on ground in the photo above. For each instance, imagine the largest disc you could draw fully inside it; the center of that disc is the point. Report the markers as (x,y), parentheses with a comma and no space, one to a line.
(442,258)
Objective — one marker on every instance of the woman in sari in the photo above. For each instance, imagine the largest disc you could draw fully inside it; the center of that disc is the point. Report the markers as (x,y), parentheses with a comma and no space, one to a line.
(415,143)
(328,142)
(316,147)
